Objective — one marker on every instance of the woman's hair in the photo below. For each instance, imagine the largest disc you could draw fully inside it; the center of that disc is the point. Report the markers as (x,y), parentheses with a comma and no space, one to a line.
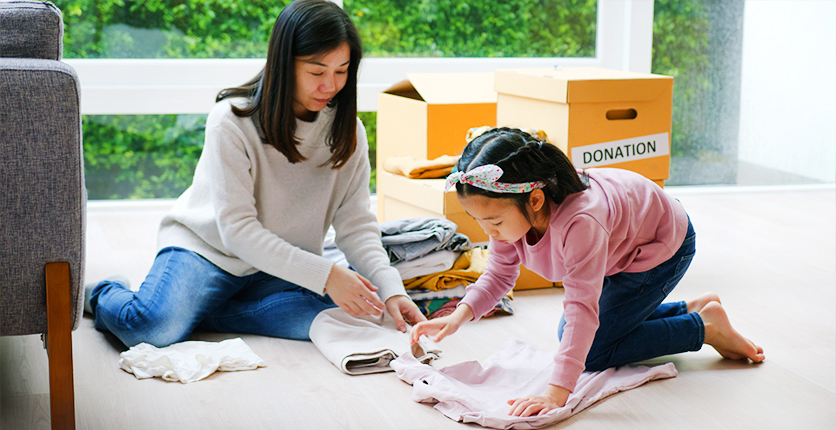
(303,28)
(522,158)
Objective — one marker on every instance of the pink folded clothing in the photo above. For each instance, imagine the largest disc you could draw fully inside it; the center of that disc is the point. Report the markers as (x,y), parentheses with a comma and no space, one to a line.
(474,393)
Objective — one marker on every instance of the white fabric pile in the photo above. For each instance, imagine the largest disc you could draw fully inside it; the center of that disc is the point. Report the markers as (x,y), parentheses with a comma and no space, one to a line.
(189,361)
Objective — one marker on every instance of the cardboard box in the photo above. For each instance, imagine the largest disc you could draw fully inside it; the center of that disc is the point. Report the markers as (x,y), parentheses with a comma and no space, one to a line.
(428,114)
(598,117)
(400,197)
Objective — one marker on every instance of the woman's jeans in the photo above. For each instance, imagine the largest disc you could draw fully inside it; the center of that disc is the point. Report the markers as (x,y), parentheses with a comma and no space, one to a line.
(634,325)
(184,291)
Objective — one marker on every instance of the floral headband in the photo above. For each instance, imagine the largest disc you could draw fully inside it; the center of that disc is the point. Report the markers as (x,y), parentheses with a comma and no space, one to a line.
(485,177)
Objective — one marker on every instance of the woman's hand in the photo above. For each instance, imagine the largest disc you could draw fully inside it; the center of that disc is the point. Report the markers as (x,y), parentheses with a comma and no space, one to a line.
(555,397)
(403,308)
(352,292)
(443,326)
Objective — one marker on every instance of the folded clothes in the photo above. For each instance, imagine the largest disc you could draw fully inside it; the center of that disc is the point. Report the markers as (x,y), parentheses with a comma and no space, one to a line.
(434,262)
(467,269)
(410,238)
(189,361)
(474,393)
(408,166)
(443,307)
(450,293)
(359,346)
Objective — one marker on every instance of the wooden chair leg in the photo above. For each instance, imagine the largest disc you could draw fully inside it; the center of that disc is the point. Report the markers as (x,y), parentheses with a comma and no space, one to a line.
(60,345)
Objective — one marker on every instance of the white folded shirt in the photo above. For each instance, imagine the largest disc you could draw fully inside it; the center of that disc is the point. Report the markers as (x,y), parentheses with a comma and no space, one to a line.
(433,262)
(189,361)
(359,346)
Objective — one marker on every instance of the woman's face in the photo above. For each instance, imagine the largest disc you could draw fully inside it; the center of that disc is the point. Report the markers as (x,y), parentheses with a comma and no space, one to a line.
(318,79)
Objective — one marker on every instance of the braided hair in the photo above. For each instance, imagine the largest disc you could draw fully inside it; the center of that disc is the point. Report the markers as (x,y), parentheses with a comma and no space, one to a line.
(522,158)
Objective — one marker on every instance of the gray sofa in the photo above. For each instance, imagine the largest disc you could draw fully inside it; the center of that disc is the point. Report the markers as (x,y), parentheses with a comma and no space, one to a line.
(42,195)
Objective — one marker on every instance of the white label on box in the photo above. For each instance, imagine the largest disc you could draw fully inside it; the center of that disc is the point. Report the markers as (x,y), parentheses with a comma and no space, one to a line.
(619,151)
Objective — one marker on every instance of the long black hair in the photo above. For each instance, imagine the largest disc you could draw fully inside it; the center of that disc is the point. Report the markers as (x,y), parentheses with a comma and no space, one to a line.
(522,158)
(303,28)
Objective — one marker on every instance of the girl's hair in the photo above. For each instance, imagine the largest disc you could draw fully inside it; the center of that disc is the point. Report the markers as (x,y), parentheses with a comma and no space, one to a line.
(303,28)
(522,158)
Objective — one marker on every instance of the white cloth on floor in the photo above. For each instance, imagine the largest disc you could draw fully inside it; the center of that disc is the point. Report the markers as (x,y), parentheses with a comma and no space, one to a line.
(474,393)
(434,262)
(358,346)
(189,361)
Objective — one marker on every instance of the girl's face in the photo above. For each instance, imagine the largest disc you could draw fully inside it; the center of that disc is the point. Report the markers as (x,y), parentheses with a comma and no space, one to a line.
(500,218)
(318,79)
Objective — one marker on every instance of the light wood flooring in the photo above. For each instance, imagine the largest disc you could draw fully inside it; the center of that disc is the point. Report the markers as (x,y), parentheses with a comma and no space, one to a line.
(769,253)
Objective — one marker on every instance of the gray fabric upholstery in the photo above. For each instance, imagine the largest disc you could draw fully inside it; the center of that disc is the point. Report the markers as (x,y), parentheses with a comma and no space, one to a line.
(42,194)
(31,29)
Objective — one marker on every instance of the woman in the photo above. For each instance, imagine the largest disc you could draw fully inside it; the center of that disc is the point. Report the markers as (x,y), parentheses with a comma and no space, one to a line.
(285,158)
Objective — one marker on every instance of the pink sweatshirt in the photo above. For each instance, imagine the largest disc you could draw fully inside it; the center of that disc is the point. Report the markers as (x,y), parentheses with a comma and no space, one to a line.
(622,223)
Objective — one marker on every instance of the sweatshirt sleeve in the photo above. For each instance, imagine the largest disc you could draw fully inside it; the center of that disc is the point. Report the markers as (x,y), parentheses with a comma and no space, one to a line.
(358,232)
(585,258)
(226,161)
(496,281)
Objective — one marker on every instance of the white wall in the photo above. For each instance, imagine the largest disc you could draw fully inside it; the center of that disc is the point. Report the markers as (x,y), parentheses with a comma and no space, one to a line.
(788,91)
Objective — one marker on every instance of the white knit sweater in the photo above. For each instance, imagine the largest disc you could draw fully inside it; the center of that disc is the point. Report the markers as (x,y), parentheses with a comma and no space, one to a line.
(249,209)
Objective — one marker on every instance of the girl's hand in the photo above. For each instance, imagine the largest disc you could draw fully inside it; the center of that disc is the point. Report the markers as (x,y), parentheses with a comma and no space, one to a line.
(555,397)
(444,326)
(352,292)
(403,308)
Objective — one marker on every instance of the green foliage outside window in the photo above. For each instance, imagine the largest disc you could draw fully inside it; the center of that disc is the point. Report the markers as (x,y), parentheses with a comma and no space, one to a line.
(680,49)
(456,28)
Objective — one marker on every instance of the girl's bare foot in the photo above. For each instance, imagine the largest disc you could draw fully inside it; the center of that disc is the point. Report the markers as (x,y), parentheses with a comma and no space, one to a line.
(720,334)
(697,303)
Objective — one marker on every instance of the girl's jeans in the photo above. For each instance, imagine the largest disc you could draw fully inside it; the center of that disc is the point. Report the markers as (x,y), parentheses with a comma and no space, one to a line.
(634,324)
(184,291)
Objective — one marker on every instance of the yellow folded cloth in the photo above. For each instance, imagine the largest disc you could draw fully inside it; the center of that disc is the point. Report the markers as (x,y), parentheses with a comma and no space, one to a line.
(465,271)
(408,166)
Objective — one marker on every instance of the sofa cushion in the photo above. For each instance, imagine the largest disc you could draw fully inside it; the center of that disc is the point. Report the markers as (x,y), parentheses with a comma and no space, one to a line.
(31,29)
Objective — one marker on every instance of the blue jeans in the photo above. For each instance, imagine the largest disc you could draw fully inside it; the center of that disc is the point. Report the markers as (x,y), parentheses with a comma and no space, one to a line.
(634,324)
(184,291)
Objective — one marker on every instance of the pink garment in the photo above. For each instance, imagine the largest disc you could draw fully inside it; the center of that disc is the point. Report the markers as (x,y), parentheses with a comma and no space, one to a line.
(622,223)
(474,393)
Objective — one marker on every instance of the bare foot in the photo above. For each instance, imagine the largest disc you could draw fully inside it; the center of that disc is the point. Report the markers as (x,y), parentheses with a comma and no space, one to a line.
(697,303)
(720,334)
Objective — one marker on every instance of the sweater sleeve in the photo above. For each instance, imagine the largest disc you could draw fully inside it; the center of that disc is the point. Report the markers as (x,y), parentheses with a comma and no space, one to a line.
(585,258)
(358,232)
(226,160)
(496,281)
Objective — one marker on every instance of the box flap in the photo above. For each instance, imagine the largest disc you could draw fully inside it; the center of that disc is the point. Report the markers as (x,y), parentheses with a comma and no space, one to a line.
(448,88)
(581,84)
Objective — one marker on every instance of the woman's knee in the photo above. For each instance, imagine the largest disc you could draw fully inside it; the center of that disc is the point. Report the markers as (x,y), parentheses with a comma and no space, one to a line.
(159,332)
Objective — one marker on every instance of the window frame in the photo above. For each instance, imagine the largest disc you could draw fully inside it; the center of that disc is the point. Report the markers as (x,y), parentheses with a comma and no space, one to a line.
(624,39)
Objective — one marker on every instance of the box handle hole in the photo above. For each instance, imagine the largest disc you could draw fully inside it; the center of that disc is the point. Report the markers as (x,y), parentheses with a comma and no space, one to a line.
(616,114)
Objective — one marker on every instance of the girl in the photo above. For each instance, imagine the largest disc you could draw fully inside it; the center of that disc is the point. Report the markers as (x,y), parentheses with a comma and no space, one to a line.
(284,158)
(617,241)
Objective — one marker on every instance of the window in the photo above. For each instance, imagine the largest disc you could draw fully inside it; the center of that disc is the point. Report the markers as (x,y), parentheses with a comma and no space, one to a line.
(171,57)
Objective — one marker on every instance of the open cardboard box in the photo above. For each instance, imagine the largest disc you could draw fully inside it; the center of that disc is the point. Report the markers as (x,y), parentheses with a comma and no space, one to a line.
(598,117)
(428,114)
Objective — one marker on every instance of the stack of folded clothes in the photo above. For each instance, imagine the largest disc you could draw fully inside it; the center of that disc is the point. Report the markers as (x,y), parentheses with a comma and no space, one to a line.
(435,262)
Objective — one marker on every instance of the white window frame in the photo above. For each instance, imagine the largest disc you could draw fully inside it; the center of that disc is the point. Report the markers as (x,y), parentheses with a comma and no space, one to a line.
(180,86)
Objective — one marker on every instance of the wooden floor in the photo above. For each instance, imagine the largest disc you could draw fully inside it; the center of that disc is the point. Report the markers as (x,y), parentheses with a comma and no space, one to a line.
(770,255)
